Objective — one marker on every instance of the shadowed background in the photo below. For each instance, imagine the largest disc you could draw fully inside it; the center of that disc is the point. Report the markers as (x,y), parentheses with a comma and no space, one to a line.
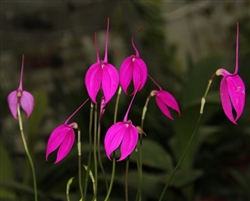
(182,43)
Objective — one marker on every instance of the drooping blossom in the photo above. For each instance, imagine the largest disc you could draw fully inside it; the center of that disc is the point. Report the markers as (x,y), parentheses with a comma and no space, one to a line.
(134,68)
(24,98)
(232,89)
(102,75)
(165,100)
(63,138)
(123,134)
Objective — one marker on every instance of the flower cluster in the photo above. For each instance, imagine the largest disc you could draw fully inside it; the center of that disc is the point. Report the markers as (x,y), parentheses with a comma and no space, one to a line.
(103,76)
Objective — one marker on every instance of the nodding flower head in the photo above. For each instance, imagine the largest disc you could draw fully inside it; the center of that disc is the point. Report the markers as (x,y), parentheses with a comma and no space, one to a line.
(24,98)
(164,100)
(122,133)
(134,68)
(63,138)
(232,89)
(102,75)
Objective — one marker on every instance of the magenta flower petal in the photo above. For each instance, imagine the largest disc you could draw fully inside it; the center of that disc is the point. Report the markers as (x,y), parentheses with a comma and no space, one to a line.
(225,100)
(126,73)
(236,89)
(169,100)
(66,145)
(93,80)
(140,73)
(110,81)
(164,100)
(163,107)
(114,137)
(129,141)
(27,102)
(63,137)
(12,102)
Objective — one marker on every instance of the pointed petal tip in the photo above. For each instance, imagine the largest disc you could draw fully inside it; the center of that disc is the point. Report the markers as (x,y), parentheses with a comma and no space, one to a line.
(27,103)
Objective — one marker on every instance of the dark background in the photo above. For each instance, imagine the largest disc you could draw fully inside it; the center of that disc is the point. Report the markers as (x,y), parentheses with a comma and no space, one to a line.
(182,43)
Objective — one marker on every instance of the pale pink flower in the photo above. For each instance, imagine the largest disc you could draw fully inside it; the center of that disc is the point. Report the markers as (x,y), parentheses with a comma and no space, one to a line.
(25,98)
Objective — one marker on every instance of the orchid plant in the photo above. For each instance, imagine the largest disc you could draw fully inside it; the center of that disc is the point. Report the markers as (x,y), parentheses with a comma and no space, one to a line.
(102,77)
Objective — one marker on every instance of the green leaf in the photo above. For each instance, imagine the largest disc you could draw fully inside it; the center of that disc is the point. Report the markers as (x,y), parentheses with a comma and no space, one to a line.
(154,156)
(6,173)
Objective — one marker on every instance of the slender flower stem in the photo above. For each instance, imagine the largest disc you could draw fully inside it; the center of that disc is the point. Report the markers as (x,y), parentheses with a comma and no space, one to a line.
(112,177)
(155,82)
(66,122)
(95,151)
(203,100)
(99,154)
(79,161)
(90,150)
(113,160)
(26,149)
(117,103)
(126,179)
(144,111)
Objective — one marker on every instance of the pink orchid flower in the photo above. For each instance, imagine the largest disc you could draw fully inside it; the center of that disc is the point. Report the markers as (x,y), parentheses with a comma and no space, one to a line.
(62,137)
(121,133)
(232,89)
(164,100)
(25,98)
(102,75)
(134,68)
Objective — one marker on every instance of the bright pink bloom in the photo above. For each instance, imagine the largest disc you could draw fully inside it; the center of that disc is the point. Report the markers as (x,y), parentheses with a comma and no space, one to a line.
(134,68)
(164,100)
(62,137)
(25,98)
(121,133)
(232,89)
(102,75)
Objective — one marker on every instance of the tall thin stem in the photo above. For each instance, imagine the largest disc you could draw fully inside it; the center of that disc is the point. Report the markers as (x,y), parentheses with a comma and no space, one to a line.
(79,161)
(99,154)
(95,151)
(113,159)
(112,177)
(27,150)
(90,151)
(139,163)
(126,179)
(203,100)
